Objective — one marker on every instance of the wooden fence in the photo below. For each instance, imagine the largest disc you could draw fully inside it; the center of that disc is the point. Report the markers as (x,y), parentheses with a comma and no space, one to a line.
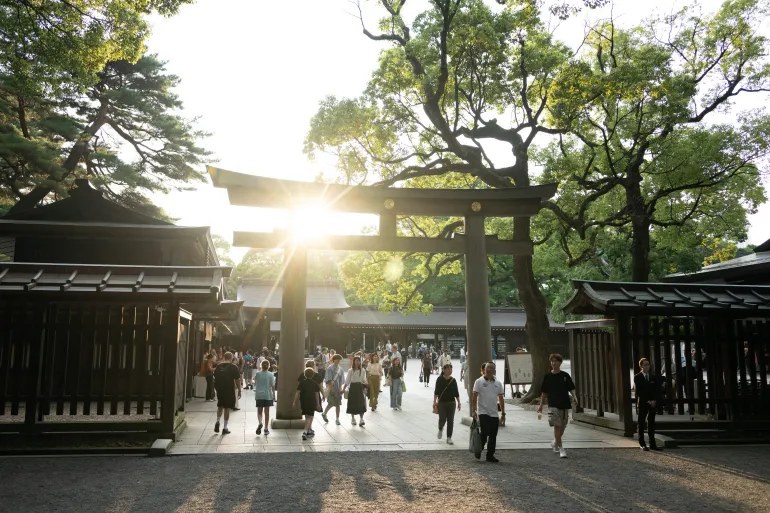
(717,368)
(71,366)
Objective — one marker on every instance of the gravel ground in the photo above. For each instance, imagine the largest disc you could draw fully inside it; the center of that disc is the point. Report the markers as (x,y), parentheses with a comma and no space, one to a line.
(686,480)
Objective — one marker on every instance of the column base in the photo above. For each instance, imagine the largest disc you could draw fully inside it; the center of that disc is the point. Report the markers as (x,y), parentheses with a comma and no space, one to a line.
(287,423)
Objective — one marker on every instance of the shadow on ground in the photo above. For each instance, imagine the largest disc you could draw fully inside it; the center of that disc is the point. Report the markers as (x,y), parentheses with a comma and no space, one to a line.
(695,479)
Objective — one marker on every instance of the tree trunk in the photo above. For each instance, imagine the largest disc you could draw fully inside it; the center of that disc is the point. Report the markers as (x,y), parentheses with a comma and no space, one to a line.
(640,226)
(538,326)
(78,151)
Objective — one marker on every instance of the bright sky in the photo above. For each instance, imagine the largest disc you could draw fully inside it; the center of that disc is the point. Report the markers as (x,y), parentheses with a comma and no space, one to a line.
(254,71)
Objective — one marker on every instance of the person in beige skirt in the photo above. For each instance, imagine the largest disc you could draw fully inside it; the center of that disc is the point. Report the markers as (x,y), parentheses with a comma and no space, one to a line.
(374,373)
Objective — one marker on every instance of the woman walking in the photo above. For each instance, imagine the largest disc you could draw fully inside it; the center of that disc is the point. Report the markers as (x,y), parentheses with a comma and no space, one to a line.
(239,365)
(427,368)
(209,362)
(386,363)
(396,375)
(444,397)
(374,373)
(354,386)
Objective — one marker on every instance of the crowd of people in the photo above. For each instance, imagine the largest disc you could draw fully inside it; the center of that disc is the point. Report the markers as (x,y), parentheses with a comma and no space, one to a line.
(324,385)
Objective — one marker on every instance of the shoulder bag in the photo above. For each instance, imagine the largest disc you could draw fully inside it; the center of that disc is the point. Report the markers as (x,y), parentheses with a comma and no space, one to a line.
(435,405)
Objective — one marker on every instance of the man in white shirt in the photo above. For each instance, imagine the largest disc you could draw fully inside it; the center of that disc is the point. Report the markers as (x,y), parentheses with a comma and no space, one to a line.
(397,354)
(444,359)
(487,395)
(389,347)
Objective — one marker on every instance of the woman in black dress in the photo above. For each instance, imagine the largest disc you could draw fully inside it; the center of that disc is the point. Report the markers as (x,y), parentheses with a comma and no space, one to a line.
(354,385)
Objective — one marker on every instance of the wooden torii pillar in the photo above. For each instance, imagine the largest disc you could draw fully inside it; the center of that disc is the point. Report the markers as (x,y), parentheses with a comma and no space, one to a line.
(473,205)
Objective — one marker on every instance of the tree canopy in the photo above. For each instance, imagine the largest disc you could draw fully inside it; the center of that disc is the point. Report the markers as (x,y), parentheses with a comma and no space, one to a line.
(78,97)
(639,158)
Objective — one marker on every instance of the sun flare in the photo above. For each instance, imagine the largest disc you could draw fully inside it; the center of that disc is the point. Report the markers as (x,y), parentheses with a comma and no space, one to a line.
(310,222)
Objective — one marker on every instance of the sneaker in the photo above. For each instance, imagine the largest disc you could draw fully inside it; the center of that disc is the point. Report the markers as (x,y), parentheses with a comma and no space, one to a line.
(554,446)
(492,459)
(267,431)
(337,422)
(562,452)
(449,441)
(259,429)
(304,436)
(216,427)
(326,419)
(225,431)
(353,421)
(362,423)
(440,434)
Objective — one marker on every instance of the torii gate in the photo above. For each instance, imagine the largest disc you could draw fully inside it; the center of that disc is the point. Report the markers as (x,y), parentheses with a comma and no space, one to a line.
(474,205)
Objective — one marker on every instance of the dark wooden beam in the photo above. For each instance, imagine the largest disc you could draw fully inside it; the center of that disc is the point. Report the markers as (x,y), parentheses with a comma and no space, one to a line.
(388,224)
(260,191)
(378,243)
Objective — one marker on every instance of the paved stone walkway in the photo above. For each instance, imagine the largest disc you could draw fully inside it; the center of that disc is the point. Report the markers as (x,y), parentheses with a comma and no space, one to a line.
(413,428)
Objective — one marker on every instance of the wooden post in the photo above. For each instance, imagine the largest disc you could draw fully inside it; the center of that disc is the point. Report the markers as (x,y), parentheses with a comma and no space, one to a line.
(478,327)
(293,316)
(622,365)
(37,332)
(170,332)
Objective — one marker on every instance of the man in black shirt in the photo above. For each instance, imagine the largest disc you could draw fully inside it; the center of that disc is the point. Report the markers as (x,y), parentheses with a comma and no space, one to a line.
(227,378)
(557,386)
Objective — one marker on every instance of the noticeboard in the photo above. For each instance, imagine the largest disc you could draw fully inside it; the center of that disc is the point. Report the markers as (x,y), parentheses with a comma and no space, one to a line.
(518,368)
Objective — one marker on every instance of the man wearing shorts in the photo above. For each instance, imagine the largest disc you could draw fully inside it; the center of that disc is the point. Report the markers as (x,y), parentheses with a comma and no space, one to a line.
(558,387)
(227,379)
(335,381)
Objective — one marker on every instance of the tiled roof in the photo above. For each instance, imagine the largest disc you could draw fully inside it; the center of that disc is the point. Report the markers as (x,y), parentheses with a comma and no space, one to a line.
(753,268)
(267,294)
(593,297)
(91,282)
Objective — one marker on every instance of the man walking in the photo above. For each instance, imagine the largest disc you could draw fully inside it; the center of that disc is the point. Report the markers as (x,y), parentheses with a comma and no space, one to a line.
(487,395)
(227,379)
(557,386)
(335,381)
(647,392)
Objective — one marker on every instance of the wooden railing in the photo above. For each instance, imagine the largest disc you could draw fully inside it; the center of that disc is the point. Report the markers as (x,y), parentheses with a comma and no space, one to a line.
(65,365)
(593,372)
(718,368)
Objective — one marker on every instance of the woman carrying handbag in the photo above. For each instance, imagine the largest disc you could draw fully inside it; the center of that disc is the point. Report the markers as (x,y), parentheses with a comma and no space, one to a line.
(444,397)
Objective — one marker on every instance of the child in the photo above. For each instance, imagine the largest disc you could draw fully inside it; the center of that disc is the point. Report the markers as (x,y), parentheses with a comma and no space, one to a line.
(306,393)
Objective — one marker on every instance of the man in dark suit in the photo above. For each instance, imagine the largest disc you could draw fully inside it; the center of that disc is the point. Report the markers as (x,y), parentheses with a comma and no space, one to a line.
(647,395)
